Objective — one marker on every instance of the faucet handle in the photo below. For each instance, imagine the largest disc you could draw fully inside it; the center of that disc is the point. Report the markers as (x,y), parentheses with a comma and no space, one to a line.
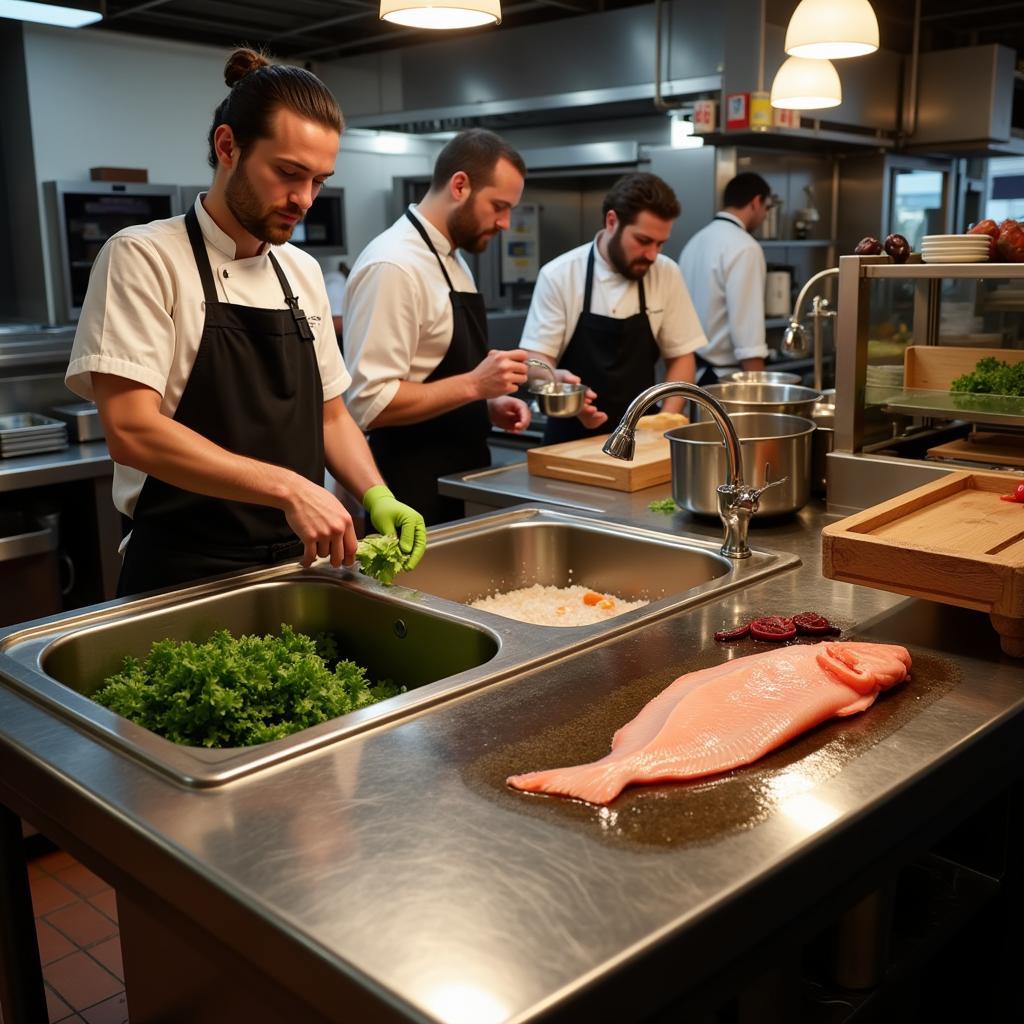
(768,483)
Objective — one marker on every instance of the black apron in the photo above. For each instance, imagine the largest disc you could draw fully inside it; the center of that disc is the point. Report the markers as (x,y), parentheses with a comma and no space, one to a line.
(707,371)
(254,390)
(614,357)
(412,457)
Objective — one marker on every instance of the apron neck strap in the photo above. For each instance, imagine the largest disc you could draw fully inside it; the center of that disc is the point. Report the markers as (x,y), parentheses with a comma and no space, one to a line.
(198,243)
(430,245)
(588,289)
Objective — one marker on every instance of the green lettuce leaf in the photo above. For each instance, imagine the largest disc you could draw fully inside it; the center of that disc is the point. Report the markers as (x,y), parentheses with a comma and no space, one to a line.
(380,556)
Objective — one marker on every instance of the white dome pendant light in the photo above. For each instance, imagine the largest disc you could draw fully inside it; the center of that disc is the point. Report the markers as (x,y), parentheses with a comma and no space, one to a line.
(802,84)
(441,14)
(832,29)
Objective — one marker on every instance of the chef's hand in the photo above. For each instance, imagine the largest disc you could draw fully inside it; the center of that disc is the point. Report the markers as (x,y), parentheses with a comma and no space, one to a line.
(320,521)
(500,373)
(509,414)
(389,515)
(590,416)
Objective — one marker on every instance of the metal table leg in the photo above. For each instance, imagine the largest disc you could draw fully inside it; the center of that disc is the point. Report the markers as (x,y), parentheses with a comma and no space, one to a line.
(22,998)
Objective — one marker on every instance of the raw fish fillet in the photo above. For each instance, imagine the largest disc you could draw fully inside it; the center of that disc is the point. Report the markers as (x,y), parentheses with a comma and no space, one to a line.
(719,718)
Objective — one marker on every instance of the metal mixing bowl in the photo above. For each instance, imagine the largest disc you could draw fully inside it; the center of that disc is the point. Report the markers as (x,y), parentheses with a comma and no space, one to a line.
(699,464)
(784,398)
(559,399)
(764,377)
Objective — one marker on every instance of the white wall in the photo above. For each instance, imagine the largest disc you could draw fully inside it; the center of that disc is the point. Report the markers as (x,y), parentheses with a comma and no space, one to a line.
(99,99)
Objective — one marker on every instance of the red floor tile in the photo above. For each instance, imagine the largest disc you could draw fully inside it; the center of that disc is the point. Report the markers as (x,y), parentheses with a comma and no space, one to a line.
(107,902)
(109,954)
(110,1011)
(80,980)
(82,923)
(48,894)
(80,879)
(52,945)
(56,1008)
(53,861)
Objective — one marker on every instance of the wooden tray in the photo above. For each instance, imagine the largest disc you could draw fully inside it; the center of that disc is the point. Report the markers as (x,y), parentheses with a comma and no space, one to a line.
(583,462)
(952,541)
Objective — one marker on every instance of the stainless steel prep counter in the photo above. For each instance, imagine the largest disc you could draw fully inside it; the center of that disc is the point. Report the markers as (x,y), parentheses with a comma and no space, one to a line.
(390,876)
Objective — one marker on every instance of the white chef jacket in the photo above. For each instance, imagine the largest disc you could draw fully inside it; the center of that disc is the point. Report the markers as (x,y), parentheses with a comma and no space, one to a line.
(143,314)
(558,302)
(724,268)
(398,314)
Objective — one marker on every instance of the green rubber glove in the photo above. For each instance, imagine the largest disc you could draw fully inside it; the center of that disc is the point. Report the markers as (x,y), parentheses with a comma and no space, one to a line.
(389,515)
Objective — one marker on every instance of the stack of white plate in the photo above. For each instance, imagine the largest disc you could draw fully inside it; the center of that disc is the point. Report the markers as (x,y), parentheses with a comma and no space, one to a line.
(955,248)
(28,433)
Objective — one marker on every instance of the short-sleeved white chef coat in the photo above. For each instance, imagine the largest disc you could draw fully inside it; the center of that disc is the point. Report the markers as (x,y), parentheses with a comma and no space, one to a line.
(558,302)
(398,313)
(724,268)
(143,314)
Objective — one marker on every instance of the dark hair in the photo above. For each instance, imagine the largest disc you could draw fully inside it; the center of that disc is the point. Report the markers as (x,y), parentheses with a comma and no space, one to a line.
(476,153)
(259,89)
(745,187)
(634,193)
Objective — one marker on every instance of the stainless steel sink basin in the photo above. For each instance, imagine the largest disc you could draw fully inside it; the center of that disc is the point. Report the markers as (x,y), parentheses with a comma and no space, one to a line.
(478,558)
(65,659)
(418,633)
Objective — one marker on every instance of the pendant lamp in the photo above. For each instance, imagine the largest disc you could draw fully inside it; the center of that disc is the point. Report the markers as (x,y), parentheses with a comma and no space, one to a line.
(802,84)
(441,14)
(832,29)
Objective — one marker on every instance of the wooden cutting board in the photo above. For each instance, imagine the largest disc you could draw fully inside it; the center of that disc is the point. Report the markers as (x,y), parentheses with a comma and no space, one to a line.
(935,367)
(583,462)
(1000,449)
(952,541)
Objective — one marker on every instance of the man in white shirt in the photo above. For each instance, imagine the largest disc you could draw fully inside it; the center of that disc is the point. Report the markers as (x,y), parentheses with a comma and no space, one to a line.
(206,343)
(424,382)
(725,269)
(605,312)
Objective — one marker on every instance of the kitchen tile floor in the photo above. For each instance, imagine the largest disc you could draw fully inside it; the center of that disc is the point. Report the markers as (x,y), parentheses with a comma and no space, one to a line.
(79,943)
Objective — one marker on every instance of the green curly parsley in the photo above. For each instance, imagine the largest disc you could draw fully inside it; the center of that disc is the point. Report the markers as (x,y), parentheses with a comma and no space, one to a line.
(229,692)
(666,505)
(380,556)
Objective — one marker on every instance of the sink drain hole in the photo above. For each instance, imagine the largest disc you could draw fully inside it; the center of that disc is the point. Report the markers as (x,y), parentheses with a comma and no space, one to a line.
(400,629)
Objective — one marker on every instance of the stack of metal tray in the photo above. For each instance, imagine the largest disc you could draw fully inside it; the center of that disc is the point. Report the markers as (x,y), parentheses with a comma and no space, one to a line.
(27,433)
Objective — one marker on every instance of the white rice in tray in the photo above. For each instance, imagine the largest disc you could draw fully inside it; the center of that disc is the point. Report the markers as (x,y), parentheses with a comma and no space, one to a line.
(556,606)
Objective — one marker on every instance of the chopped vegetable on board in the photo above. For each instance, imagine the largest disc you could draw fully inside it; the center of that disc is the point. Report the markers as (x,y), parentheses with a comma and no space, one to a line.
(1018,494)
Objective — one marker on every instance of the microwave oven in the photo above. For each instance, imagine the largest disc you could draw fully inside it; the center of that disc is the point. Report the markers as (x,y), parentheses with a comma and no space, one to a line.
(82,215)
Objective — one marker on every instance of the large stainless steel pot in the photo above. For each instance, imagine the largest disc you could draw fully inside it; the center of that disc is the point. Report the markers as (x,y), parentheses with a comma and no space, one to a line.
(824,416)
(780,441)
(784,398)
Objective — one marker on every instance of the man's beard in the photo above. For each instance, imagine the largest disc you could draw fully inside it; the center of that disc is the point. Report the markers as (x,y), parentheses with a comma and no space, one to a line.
(245,207)
(617,255)
(464,230)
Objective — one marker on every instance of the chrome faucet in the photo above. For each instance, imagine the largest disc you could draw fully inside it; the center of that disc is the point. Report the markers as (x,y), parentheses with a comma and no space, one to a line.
(794,339)
(736,501)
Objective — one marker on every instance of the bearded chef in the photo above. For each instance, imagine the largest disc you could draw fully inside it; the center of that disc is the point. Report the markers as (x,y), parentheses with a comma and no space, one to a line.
(606,312)
(206,342)
(425,384)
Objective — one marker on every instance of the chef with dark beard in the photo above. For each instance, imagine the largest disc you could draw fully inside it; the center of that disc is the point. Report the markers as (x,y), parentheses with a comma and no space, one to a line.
(607,311)
(207,344)
(425,385)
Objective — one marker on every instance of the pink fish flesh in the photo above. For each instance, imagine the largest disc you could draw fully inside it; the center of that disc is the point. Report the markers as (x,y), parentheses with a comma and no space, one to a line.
(730,715)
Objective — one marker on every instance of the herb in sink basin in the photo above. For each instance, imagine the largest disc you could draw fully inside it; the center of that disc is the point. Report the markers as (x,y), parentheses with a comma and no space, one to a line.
(666,505)
(236,692)
(380,556)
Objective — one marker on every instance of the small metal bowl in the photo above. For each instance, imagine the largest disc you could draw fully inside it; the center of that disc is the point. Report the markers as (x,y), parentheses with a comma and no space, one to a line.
(559,399)
(764,377)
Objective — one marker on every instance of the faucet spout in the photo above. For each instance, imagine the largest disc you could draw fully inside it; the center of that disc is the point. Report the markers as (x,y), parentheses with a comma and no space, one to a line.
(736,502)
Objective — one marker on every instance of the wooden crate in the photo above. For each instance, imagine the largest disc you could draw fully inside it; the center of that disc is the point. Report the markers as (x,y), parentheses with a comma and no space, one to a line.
(953,540)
